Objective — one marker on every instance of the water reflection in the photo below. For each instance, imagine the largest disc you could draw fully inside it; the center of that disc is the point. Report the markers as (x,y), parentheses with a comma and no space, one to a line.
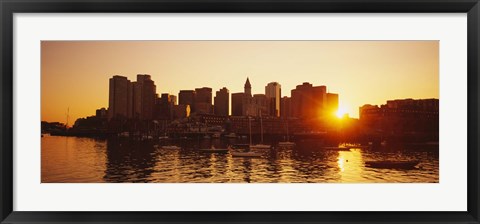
(71,159)
(351,164)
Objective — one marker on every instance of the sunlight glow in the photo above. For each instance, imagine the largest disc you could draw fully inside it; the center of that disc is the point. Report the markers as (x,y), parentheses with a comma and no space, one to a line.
(341,112)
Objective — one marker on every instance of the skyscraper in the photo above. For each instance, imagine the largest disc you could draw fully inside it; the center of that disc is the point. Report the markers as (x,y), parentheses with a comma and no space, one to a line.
(187,97)
(332,104)
(308,101)
(119,100)
(143,97)
(237,104)
(221,102)
(273,91)
(285,108)
(203,100)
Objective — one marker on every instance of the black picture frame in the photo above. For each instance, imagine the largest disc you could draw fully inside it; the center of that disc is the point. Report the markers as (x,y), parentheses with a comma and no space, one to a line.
(9,7)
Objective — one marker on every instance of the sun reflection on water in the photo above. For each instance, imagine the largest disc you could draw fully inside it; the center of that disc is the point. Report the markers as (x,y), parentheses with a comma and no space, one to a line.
(351,164)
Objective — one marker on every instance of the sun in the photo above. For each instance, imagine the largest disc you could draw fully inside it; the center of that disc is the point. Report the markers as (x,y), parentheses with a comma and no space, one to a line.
(341,112)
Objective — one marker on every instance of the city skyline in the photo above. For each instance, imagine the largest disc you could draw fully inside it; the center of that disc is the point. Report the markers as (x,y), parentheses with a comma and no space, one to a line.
(409,68)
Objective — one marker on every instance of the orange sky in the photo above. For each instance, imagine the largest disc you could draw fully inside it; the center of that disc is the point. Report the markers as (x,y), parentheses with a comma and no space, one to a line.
(75,73)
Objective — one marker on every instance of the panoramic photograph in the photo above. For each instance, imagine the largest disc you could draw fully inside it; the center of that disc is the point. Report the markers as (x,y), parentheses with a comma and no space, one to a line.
(239,111)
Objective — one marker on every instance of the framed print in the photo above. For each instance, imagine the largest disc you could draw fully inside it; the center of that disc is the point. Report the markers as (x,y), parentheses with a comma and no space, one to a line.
(216,111)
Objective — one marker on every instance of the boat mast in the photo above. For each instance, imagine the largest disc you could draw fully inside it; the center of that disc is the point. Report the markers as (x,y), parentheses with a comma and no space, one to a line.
(288,136)
(261,128)
(250,129)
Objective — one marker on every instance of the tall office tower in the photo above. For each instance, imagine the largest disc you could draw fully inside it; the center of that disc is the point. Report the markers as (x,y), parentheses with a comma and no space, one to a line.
(203,100)
(173,99)
(143,97)
(285,107)
(273,91)
(221,102)
(332,104)
(119,100)
(187,97)
(164,107)
(308,101)
(237,104)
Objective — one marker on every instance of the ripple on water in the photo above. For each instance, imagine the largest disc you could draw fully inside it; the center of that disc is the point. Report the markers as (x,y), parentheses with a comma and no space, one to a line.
(86,160)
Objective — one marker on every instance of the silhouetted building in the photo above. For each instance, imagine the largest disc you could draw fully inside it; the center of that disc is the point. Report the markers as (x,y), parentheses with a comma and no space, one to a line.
(237,104)
(242,102)
(173,99)
(273,91)
(285,107)
(144,95)
(406,116)
(259,106)
(181,111)
(203,100)
(332,104)
(308,101)
(187,97)
(164,107)
(247,88)
(120,97)
(221,102)
(101,113)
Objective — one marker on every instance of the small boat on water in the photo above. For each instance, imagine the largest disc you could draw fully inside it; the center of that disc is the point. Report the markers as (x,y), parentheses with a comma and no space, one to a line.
(246,154)
(391,164)
(216,135)
(172,147)
(215,150)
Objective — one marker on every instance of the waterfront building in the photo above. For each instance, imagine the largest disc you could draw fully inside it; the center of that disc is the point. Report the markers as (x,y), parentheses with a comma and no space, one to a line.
(101,113)
(173,99)
(308,101)
(402,116)
(332,104)
(119,100)
(273,92)
(203,100)
(181,111)
(285,108)
(237,104)
(221,102)
(259,105)
(164,107)
(242,102)
(144,95)
(187,97)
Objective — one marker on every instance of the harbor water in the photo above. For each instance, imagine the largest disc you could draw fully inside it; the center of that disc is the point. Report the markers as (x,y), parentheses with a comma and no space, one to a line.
(88,160)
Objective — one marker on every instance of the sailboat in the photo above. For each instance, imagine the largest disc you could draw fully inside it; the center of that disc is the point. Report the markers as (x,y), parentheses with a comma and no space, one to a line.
(261,145)
(248,153)
(287,143)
